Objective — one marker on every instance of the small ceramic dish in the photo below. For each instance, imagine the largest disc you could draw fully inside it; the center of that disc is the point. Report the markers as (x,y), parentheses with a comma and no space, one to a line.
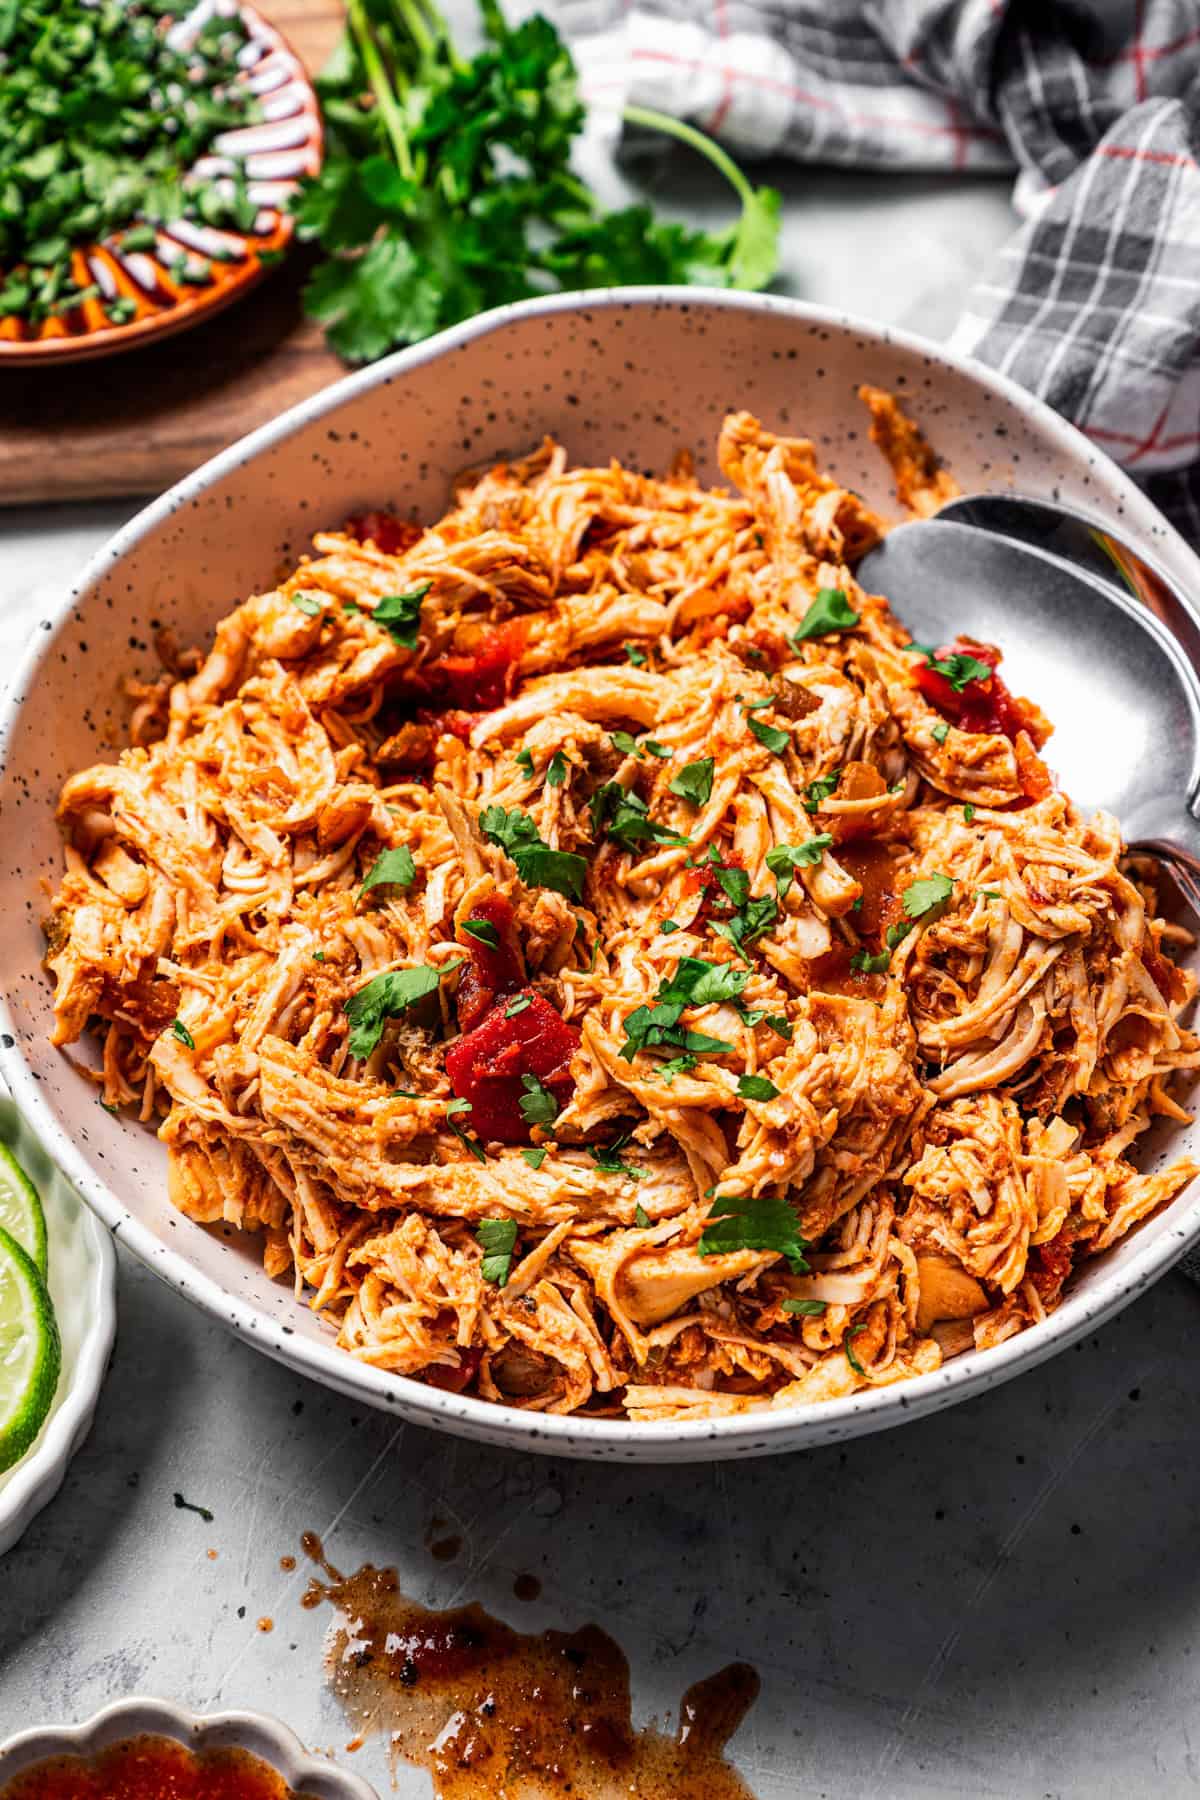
(309,1777)
(83,1281)
(270,156)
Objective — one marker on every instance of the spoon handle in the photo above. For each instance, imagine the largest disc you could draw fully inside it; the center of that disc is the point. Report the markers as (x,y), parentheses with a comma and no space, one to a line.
(1182,860)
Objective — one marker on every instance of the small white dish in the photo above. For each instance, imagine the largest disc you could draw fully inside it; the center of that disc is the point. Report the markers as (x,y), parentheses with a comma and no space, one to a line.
(83,1283)
(139,1716)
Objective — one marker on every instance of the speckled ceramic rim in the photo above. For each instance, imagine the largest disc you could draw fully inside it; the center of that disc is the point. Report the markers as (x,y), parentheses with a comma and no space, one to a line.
(261,1736)
(38,1477)
(749,1434)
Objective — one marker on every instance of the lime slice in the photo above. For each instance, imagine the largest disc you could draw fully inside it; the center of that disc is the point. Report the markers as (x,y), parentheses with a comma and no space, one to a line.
(30,1354)
(21,1210)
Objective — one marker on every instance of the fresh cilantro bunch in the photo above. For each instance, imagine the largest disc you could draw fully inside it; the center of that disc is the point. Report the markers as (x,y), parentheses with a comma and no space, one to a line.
(100,121)
(447,186)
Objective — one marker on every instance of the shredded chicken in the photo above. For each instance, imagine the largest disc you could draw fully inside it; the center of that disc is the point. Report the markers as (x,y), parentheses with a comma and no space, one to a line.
(609,966)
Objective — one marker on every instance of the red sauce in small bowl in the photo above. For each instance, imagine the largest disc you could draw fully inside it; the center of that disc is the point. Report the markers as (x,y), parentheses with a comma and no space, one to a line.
(150,1768)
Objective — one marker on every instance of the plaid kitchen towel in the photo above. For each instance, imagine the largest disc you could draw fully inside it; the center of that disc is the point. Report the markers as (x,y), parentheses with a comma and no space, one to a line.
(1095,104)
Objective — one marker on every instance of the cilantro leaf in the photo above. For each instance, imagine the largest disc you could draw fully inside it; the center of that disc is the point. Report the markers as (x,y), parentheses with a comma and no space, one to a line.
(700,983)
(667,926)
(626,743)
(775,740)
(537,1103)
(756,1087)
(309,604)
(847,1347)
(641,1217)
(636,655)
(968,813)
(556,770)
(957,668)
(740,1223)
(483,931)
(656,749)
(808,1308)
(518,1005)
(607,1158)
(524,760)
(400,614)
(920,897)
(626,818)
(820,789)
(869,964)
(536,1157)
(374,300)
(694,781)
(536,863)
(829,612)
(395,868)
(749,923)
(384,997)
(180,1030)
(784,859)
(940,733)
(497,1239)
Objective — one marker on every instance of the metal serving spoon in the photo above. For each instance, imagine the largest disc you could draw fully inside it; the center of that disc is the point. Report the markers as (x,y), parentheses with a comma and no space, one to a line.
(1091,631)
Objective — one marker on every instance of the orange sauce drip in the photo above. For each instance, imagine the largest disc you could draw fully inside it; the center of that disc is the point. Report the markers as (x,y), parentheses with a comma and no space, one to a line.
(488,1710)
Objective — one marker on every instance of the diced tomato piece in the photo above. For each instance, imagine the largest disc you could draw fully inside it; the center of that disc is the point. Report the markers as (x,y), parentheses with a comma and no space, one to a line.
(481,678)
(983,705)
(486,1065)
(491,972)
(1036,780)
(441,1375)
(715,902)
(385,531)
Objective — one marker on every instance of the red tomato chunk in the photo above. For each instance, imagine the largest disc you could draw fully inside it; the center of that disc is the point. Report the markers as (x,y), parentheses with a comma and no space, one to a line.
(490,972)
(384,530)
(486,1066)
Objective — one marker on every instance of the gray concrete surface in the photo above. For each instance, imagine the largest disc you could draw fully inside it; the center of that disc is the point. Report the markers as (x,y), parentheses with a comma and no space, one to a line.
(1001,1601)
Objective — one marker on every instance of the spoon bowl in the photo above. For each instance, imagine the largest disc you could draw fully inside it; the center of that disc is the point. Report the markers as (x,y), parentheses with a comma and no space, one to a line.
(1124,698)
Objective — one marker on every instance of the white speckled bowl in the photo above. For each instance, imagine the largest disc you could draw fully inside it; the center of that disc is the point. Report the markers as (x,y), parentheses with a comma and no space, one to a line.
(83,1281)
(311,1776)
(634,374)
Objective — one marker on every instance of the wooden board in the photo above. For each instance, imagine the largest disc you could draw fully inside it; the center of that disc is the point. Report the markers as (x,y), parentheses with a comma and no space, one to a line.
(134,423)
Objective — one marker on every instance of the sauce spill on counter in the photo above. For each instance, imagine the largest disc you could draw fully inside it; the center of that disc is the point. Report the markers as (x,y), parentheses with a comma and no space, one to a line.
(498,1714)
(150,1768)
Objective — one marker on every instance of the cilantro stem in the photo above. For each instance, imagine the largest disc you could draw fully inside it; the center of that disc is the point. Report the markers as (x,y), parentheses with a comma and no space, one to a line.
(418,30)
(687,134)
(377,75)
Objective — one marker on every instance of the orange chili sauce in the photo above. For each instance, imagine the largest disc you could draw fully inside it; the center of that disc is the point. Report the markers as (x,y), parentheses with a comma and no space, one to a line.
(150,1768)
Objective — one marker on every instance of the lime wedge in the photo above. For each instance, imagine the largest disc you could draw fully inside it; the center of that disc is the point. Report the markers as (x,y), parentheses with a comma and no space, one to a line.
(30,1354)
(21,1210)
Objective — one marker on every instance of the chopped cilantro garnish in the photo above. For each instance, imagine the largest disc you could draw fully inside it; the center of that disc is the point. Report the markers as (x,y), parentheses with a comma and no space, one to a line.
(400,614)
(920,897)
(940,733)
(756,1087)
(775,740)
(991,894)
(483,931)
(820,789)
(957,668)
(636,655)
(810,1309)
(537,1103)
(497,1239)
(870,965)
(556,770)
(668,926)
(524,760)
(318,956)
(784,859)
(537,864)
(607,1158)
(847,1347)
(678,1065)
(751,921)
(626,817)
(181,1031)
(457,1106)
(383,997)
(535,1158)
(309,604)
(656,749)
(626,743)
(740,1223)
(694,781)
(968,813)
(641,1217)
(517,1006)
(395,868)
(830,611)
(780,1025)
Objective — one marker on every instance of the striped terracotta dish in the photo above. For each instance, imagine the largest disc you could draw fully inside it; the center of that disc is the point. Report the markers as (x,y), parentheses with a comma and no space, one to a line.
(270,155)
